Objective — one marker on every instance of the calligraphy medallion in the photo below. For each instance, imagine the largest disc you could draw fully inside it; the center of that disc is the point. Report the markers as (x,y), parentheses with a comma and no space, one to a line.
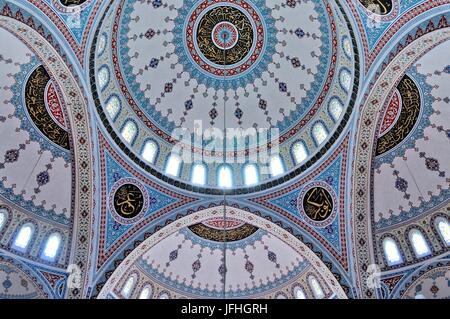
(317,204)
(225,34)
(128,201)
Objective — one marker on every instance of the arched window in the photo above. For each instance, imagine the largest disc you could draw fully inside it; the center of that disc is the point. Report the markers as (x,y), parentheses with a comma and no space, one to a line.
(335,107)
(23,238)
(225,177)
(127,289)
(145,293)
(391,251)
(173,165)
(319,133)
(299,152)
(52,246)
(299,293)
(345,78)
(103,77)
(276,166)
(348,47)
(316,288)
(443,228)
(198,176)
(149,152)
(251,175)
(164,295)
(129,131)
(113,106)
(419,296)
(3,217)
(101,44)
(419,244)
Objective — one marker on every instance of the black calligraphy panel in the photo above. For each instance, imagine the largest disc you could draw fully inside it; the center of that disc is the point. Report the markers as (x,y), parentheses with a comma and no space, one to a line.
(128,201)
(381,7)
(223,235)
(35,103)
(70,3)
(408,117)
(318,204)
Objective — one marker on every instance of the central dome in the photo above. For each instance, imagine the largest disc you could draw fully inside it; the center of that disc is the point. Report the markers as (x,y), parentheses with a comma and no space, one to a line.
(225,82)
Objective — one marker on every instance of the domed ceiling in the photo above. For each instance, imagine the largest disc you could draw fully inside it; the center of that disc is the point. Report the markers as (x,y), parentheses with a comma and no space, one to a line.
(224,149)
(273,73)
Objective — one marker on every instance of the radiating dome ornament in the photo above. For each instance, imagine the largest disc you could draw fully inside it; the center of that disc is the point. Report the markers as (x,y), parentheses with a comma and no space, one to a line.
(265,71)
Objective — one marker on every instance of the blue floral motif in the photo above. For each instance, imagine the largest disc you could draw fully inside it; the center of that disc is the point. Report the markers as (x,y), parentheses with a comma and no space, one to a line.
(241,80)
(157,200)
(288,202)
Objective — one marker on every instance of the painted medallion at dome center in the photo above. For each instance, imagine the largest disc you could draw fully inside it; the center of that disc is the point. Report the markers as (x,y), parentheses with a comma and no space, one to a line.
(278,70)
(199,53)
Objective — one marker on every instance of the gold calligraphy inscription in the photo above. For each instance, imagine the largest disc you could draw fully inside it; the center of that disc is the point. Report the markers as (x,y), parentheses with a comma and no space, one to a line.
(318,204)
(381,7)
(128,201)
(70,3)
(35,103)
(221,235)
(409,115)
(219,55)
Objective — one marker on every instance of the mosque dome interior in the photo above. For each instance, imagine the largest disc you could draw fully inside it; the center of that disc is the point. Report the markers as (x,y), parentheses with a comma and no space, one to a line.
(224,149)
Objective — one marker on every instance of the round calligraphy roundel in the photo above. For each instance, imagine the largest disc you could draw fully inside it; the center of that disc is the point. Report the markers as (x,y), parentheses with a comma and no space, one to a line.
(317,204)
(128,201)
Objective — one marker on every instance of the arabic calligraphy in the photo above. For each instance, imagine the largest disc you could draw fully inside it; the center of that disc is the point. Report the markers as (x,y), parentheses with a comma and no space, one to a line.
(409,115)
(35,89)
(128,201)
(223,235)
(381,7)
(69,3)
(223,54)
(318,204)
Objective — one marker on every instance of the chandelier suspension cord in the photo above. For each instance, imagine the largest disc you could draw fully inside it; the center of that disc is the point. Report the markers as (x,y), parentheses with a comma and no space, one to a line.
(224,145)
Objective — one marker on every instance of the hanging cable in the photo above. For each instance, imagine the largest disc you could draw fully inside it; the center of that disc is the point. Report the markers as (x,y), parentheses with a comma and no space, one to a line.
(224,145)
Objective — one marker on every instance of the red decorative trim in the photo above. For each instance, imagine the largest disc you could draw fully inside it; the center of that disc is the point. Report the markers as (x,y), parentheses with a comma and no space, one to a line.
(264,201)
(103,255)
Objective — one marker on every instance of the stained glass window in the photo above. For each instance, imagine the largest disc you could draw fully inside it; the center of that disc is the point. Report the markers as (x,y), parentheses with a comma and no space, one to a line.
(443,228)
(276,166)
(103,77)
(316,288)
(419,243)
(101,44)
(24,236)
(198,174)
(299,293)
(128,287)
(319,133)
(250,175)
(145,293)
(173,165)
(346,79)
(299,152)
(113,107)
(392,252)
(149,151)
(225,177)
(335,108)
(129,131)
(3,216)
(52,246)
(347,47)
